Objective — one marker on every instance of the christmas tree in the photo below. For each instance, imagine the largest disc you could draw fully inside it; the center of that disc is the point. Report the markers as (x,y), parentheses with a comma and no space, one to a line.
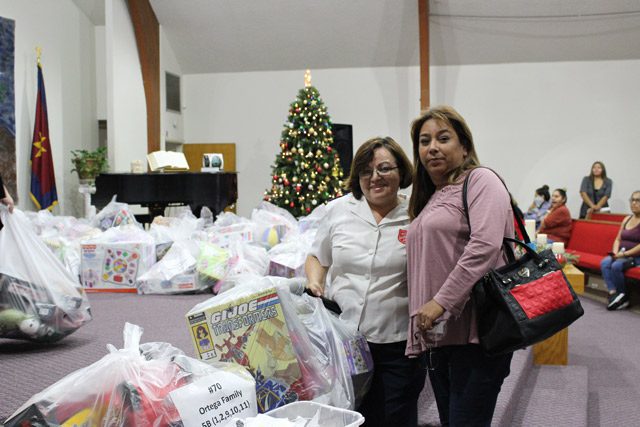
(307,171)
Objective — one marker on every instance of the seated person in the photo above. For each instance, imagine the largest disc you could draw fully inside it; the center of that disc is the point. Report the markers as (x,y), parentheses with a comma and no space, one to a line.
(540,206)
(557,222)
(624,255)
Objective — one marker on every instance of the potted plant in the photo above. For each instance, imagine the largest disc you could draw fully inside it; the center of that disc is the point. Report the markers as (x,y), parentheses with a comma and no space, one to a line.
(89,164)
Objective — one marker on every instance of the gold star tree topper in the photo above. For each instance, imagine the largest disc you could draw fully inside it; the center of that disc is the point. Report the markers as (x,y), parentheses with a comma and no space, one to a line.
(307,78)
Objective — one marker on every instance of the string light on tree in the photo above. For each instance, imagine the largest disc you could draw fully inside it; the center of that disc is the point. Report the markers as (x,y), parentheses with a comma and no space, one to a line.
(306,151)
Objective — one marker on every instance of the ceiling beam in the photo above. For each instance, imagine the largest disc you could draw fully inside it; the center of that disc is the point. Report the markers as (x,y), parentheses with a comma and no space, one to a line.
(423,22)
(147,32)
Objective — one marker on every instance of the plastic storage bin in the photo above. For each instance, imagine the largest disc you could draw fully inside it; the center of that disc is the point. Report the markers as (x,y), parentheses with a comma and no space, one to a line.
(329,415)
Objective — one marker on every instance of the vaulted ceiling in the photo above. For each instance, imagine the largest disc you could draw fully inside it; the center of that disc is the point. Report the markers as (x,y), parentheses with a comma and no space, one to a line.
(210,36)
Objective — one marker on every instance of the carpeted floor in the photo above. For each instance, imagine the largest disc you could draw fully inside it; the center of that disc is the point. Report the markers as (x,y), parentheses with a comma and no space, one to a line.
(27,368)
(607,343)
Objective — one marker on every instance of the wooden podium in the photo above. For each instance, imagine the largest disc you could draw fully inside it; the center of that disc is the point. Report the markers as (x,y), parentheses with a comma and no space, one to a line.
(554,350)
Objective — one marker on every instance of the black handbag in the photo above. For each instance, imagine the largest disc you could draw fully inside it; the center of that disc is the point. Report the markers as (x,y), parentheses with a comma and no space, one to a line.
(525,301)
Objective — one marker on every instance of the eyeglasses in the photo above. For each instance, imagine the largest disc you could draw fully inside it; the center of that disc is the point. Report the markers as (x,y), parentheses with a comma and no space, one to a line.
(634,200)
(382,171)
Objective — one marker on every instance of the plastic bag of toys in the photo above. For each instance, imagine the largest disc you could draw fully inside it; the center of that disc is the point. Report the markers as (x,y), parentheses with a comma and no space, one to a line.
(166,230)
(176,272)
(287,259)
(256,325)
(272,224)
(39,298)
(328,346)
(113,215)
(343,351)
(153,384)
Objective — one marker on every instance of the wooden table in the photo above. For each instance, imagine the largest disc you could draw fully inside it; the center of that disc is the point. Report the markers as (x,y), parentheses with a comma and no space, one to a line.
(554,350)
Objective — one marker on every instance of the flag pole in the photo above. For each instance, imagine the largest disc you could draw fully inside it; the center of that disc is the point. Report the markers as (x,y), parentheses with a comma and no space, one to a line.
(38,54)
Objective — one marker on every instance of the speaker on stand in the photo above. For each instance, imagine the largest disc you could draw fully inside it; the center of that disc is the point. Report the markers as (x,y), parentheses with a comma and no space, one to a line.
(343,142)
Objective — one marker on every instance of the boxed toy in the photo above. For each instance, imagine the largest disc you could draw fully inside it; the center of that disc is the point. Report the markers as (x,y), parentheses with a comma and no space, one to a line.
(115,266)
(251,330)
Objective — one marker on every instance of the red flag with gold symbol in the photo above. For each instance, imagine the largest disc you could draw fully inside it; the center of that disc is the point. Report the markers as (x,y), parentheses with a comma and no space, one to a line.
(43,180)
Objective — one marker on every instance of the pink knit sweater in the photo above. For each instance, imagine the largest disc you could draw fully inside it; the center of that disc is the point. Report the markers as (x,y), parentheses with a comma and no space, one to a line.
(444,262)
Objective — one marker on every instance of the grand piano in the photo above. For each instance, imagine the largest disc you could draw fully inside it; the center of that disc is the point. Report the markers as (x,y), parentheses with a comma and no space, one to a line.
(159,190)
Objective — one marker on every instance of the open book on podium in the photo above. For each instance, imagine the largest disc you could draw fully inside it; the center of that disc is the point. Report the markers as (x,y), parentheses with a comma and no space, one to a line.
(167,161)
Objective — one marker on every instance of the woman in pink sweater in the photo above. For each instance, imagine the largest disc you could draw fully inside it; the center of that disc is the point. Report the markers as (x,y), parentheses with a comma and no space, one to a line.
(445,260)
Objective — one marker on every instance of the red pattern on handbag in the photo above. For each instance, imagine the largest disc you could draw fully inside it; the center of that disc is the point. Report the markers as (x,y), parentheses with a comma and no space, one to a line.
(547,294)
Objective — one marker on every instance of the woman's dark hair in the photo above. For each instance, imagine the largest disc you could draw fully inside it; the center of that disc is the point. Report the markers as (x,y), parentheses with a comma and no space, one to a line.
(544,192)
(423,186)
(363,157)
(563,193)
(604,170)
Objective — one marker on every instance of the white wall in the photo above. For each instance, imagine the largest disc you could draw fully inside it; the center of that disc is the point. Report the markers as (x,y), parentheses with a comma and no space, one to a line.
(101,73)
(251,108)
(171,123)
(67,39)
(546,123)
(126,105)
(542,123)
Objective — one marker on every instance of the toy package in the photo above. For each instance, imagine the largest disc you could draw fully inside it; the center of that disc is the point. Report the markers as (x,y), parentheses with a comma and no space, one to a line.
(39,298)
(247,325)
(153,384)
(115,260)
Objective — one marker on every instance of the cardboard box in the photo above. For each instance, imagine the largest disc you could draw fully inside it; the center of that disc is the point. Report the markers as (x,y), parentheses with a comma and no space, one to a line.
(114,267)
(251,331)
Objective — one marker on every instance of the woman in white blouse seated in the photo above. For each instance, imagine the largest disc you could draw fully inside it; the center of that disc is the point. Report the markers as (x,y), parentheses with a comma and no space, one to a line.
(359,254)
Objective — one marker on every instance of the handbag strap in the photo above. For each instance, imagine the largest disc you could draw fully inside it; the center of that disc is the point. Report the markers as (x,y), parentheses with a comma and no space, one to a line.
(505,241)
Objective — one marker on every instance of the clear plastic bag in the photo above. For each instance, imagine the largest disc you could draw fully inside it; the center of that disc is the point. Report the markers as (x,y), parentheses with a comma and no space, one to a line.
(256,325)
(153,384)
(287,259)
(327,343)
(114,215)
(40,300)
(176,272)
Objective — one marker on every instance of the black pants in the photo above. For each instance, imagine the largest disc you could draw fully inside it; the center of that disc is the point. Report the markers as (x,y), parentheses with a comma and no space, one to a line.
(397,383)
(466,383)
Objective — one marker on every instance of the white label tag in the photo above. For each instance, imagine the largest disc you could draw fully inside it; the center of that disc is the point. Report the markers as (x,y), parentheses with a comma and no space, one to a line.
(215,400)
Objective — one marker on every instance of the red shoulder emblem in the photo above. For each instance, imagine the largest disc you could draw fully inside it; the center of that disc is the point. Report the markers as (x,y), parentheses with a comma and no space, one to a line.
(402,236)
